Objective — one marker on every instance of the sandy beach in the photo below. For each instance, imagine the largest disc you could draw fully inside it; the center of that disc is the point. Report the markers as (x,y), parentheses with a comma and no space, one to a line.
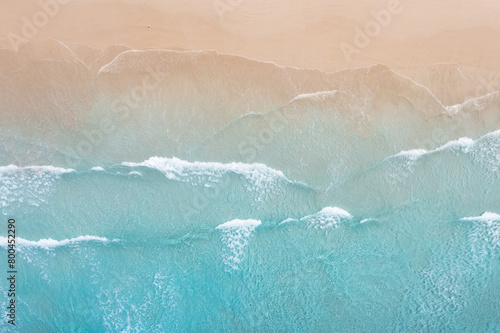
(250,165)
(307,34)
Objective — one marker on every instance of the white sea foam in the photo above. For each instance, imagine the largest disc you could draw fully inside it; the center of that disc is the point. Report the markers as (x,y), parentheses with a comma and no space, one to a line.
(175,168)
(401,165)
(487,151)
(411,154)
(52,243)
(486,228)
(484,151)
(453,109)
(328,217)
(235,236)
(135,173)
(475,103)
(483,241)
(97,168)
(262,181)
(485,217)
(27,184)
(236,223)
(463,144)
(10,169)
(287,221)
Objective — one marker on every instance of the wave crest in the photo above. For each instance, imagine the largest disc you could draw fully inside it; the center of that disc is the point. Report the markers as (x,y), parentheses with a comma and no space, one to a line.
(50,243)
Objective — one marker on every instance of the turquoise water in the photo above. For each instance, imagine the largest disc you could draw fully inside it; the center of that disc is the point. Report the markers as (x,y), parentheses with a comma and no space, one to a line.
(409,244)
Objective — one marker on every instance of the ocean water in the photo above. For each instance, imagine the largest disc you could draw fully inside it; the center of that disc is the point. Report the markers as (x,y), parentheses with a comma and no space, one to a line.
(157,248)
(357,211)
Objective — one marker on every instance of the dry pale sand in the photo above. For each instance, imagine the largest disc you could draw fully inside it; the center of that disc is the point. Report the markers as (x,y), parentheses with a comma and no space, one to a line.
(299,33)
